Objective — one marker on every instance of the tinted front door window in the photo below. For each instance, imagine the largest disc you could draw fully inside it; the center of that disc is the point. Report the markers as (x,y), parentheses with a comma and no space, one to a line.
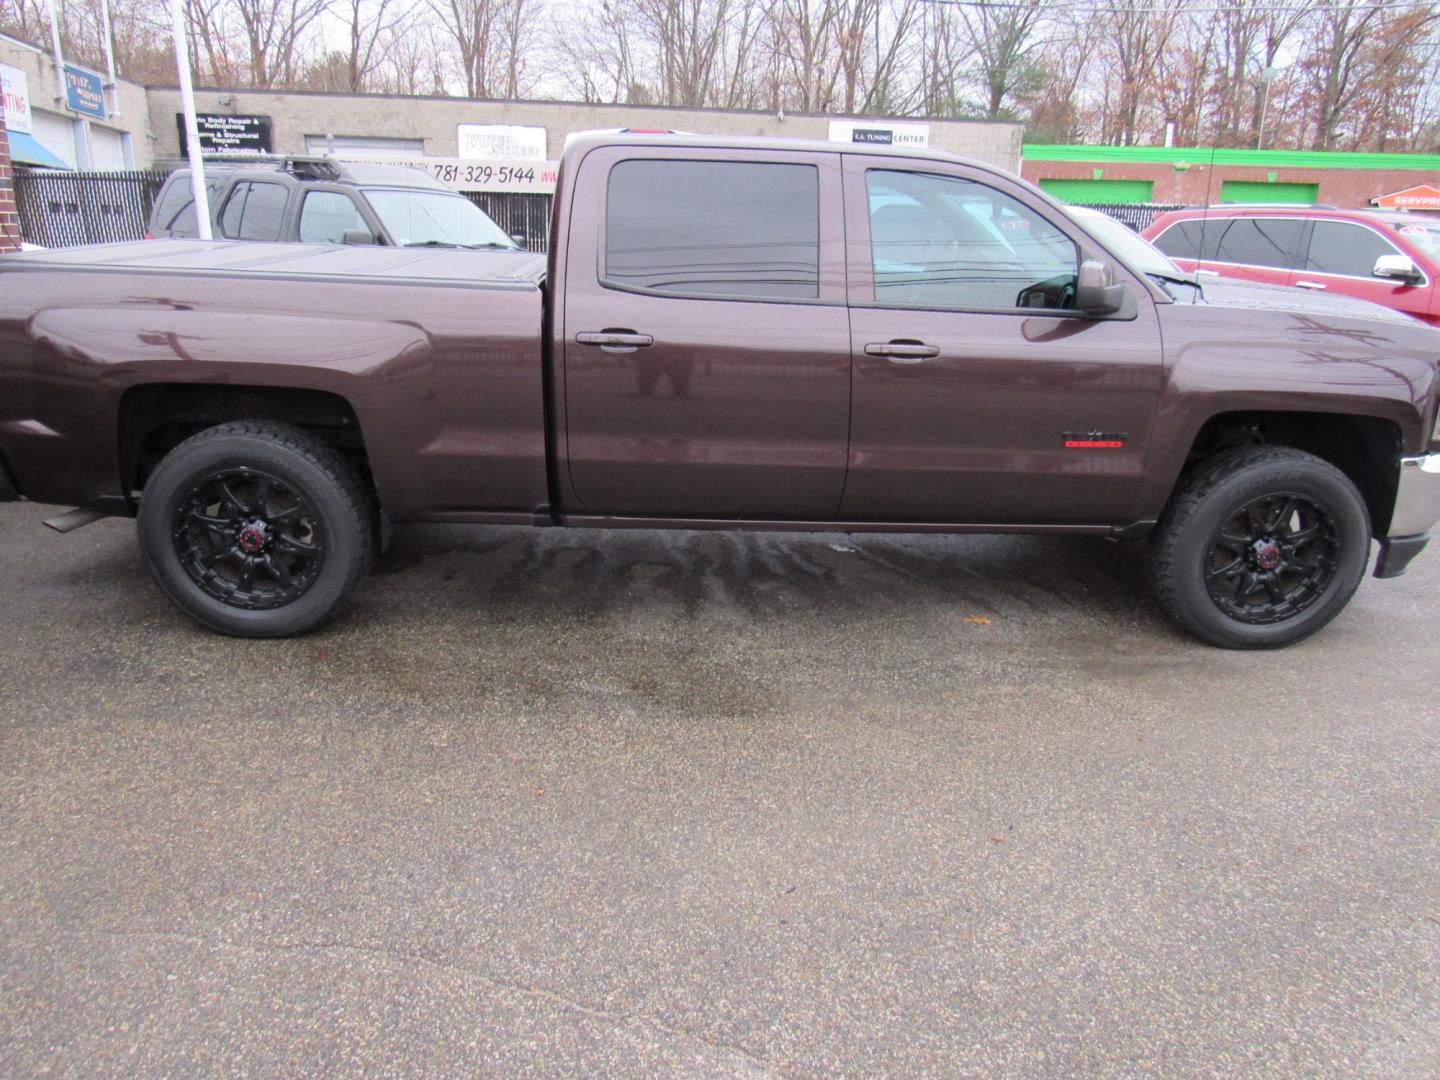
(1338,247)
(714,228)
(326,216)
(946,242)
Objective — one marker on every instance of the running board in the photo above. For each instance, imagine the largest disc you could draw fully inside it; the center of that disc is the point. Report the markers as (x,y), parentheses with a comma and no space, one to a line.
(74,519)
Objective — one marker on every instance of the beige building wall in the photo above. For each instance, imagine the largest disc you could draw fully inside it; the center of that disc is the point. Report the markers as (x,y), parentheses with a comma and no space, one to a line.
(132,124)
(435,120)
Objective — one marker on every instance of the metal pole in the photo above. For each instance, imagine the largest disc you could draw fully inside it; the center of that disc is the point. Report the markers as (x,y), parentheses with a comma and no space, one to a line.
(59,55)
(1264,108)
(192,130)
(110,57)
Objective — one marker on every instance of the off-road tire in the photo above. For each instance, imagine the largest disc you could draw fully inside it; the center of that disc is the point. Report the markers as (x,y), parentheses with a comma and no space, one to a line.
(1182,544)
(341,514)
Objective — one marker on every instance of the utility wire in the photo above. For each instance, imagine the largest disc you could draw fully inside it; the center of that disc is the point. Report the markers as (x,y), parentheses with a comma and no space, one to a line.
(1179,8)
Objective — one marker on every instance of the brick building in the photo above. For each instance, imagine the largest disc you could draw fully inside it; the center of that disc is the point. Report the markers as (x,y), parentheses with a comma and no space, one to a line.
(1200,175)
(9,219)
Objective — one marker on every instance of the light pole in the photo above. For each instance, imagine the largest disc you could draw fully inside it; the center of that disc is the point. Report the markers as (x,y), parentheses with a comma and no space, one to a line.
(192,130)
(1267,76)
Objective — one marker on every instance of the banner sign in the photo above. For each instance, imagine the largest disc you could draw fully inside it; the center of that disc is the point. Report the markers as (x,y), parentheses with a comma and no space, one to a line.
(84,92)
(510,142)
(221,133)
(15,90)
(466,174)
(880,133)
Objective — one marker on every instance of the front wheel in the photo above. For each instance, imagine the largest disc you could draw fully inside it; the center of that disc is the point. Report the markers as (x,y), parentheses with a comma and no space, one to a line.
(1260,548)
(256,529)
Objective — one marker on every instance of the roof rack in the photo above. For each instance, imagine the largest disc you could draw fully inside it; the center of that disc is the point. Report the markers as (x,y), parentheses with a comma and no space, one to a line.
(305,165)
(1272,205)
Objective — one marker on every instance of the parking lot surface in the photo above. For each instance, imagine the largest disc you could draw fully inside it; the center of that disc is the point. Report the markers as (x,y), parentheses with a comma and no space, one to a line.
(548,802)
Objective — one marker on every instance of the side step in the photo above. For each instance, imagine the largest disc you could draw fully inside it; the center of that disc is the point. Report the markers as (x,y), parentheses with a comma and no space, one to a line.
(74,519)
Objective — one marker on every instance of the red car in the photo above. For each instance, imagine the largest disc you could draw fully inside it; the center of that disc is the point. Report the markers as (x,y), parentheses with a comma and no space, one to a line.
(1388,258)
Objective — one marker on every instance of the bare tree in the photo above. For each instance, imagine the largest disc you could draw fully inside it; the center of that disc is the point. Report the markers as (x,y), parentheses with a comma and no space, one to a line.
(1005,41)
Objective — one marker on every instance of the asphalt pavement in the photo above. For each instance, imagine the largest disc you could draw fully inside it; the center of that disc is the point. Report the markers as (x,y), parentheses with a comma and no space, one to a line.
(551,803)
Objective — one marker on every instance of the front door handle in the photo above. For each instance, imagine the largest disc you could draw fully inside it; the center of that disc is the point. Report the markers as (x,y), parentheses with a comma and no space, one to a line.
(902,352)
(1309,285)
(615,340)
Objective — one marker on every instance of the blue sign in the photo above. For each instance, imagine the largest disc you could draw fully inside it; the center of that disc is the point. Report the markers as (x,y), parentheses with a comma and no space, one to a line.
(85,92)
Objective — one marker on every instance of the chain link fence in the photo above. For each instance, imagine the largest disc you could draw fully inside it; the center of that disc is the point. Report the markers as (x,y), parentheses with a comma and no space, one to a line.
(64,209)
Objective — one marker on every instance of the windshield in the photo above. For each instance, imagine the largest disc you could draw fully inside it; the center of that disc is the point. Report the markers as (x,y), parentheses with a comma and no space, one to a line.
(433,217)
(1129,245)
(1425,237)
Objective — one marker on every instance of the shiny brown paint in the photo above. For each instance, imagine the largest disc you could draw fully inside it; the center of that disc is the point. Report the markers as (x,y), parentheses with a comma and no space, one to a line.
(470,411)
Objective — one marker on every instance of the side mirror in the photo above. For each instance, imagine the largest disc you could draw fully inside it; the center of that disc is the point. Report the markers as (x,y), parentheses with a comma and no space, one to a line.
(357,236)
(520,238)
(1397,268)
(1096,290)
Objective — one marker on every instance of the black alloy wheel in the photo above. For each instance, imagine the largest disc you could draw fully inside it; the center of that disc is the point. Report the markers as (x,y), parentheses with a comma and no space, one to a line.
(1272,558)
(257,528)
(1260,547)
(249,539)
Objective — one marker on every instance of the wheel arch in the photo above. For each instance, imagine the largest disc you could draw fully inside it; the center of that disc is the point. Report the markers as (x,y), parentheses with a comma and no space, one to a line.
(1365,448)
(156,417)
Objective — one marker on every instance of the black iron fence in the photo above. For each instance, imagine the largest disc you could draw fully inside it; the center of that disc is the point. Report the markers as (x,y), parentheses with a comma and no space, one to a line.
(64,209)
(522,215)
(1137,215)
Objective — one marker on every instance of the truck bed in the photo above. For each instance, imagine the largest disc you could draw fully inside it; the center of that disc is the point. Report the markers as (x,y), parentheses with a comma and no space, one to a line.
(435,354)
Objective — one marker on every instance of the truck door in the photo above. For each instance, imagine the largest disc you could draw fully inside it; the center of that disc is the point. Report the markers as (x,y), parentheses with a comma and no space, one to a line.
(705,337)
(979,396)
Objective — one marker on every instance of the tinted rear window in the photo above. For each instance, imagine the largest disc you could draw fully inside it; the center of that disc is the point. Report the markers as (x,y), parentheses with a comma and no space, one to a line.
(264,213)
(714,228)
(175,212)
(1181,240)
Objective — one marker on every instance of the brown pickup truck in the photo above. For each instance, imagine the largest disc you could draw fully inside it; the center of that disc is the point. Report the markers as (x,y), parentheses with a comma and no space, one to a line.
(727,334)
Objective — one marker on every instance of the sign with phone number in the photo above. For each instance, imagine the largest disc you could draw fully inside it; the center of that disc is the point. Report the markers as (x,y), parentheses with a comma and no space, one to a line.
(468,174)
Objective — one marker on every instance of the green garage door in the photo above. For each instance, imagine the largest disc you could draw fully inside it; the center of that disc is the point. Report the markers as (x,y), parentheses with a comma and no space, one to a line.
(1251,191)
(1099,191)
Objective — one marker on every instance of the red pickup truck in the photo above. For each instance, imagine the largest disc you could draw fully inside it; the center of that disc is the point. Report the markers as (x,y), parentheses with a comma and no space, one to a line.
(727,334)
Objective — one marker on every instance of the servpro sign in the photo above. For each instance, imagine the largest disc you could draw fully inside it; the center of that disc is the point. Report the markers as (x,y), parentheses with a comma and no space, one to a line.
(1420,197)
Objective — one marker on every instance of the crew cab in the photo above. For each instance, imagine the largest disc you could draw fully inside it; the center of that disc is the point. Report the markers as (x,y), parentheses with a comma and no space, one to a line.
(727,334)
(1385,256)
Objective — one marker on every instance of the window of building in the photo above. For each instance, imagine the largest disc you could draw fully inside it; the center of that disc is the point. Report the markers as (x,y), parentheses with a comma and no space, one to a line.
(948,242)
(714,228)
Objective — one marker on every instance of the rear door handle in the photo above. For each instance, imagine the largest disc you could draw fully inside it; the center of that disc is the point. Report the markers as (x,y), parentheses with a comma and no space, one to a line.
(615,340)
(1309,285)
(902,352)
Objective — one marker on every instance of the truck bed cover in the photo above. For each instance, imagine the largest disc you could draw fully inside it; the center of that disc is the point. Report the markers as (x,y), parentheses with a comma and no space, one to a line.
(483,269)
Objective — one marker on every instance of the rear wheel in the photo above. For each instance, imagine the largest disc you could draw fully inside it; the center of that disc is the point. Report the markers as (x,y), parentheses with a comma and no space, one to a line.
(1262,547)
(256,529)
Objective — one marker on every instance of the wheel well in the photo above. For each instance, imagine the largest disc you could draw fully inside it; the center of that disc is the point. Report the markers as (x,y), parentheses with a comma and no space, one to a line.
(1364,448)
(156,418)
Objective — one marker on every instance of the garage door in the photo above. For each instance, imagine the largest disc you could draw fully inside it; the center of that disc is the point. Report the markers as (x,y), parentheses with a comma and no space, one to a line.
(1099,191)
(107,149)
(55,133)
(1251,191)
